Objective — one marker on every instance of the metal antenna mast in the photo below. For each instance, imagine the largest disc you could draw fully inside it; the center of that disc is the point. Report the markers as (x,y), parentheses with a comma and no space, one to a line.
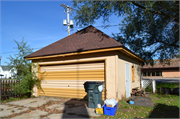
(69,23)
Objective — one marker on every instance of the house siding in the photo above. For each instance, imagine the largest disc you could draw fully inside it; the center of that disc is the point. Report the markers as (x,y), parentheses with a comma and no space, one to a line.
(122,59)
(171,73)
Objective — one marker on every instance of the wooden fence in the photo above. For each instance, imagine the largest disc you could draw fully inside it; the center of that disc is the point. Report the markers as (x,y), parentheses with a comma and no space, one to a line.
(8,89)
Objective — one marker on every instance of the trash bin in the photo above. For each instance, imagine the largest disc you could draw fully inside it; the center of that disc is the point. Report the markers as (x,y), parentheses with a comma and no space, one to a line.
(110,111)
(93,93)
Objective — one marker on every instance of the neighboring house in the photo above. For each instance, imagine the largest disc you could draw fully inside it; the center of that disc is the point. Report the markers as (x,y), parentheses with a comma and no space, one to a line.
(6,72)
(165,69)
(87,55)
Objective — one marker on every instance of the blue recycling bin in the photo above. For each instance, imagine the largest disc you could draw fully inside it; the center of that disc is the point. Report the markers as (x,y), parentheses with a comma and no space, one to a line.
(110,111)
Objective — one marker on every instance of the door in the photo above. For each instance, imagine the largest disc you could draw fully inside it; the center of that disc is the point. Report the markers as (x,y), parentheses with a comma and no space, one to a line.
(127,67)
(66,80)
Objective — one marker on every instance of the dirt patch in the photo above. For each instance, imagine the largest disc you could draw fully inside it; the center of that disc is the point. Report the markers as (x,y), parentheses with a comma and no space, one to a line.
(143,101)
(33,101)
(20,108)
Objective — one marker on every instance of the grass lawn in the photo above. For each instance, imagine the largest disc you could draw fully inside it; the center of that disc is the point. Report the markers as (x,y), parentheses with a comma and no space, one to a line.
(14,99)
(162,85)
(168,85)
(166,106)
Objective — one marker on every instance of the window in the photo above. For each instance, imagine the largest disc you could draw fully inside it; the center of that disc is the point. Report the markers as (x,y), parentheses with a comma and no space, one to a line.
(133,76)
(144,73)
(159,73)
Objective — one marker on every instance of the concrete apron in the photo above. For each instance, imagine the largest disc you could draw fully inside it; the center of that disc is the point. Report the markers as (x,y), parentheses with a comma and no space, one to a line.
(69,108)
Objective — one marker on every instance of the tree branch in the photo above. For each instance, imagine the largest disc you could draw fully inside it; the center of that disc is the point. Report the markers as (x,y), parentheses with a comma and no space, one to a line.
(159,48)
(156,12)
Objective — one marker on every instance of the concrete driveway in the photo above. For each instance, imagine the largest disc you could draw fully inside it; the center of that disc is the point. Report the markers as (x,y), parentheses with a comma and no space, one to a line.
(46,107)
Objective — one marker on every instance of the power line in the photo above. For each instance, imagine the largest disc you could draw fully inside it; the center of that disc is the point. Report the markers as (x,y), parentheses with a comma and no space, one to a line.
(104,26)
(18,51)
(8,52)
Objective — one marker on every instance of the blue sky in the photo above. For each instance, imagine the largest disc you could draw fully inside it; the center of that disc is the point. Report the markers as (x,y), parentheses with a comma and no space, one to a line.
(39,22)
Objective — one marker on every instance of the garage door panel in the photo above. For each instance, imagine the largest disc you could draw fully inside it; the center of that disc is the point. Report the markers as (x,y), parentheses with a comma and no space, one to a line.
(64,81)
(83,72)
(73,67)
(75,78)
(64,84)
(68,80)
(63,92)
(70,69)
(68,96)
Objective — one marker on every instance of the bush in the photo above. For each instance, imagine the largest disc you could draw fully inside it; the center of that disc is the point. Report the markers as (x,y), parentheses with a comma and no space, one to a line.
(149,88)
(24,69)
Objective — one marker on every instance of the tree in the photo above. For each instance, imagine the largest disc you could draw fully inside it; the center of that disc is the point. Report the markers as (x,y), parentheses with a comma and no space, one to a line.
(24,68)
(151,27)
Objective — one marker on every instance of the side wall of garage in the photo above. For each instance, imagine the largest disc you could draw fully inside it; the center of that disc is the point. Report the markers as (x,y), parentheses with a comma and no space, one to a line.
(110,67)
(122,60)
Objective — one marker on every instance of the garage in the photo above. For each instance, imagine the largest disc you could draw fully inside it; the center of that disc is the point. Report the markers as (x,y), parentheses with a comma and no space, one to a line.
(87,55)
(66,80)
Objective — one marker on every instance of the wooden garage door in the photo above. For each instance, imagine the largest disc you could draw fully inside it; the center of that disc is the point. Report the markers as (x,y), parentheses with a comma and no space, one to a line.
(67,80)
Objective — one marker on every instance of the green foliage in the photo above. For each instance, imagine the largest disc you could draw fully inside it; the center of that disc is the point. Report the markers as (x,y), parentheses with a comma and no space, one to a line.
(167,85)
(24,69)
(151,27)
(13,99)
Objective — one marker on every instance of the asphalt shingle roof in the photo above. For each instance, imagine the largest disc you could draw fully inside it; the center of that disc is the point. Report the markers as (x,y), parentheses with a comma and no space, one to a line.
(5,68)
(89,38)
(167,64)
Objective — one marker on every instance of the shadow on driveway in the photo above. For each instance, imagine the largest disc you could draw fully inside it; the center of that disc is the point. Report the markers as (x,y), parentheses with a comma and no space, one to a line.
(75,109)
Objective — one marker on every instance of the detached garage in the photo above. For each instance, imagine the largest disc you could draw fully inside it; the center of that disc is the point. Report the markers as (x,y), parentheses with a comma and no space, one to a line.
(87,55)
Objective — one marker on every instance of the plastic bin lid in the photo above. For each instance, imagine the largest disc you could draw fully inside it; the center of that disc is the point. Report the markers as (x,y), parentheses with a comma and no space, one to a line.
(93,82)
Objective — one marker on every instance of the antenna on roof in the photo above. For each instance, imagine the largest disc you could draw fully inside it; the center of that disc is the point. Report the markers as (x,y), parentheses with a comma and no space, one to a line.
(68,22)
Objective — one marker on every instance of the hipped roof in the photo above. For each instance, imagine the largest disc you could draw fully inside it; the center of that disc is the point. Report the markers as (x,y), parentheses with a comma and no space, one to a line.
(86,40)
(89,38)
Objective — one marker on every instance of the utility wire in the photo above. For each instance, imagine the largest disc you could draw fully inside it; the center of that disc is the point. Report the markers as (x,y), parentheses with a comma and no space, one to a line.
(73,28)
(103,26)
(18,51)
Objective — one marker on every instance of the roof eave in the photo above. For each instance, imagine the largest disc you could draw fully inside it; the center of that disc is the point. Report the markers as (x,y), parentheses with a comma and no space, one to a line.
(87,52)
